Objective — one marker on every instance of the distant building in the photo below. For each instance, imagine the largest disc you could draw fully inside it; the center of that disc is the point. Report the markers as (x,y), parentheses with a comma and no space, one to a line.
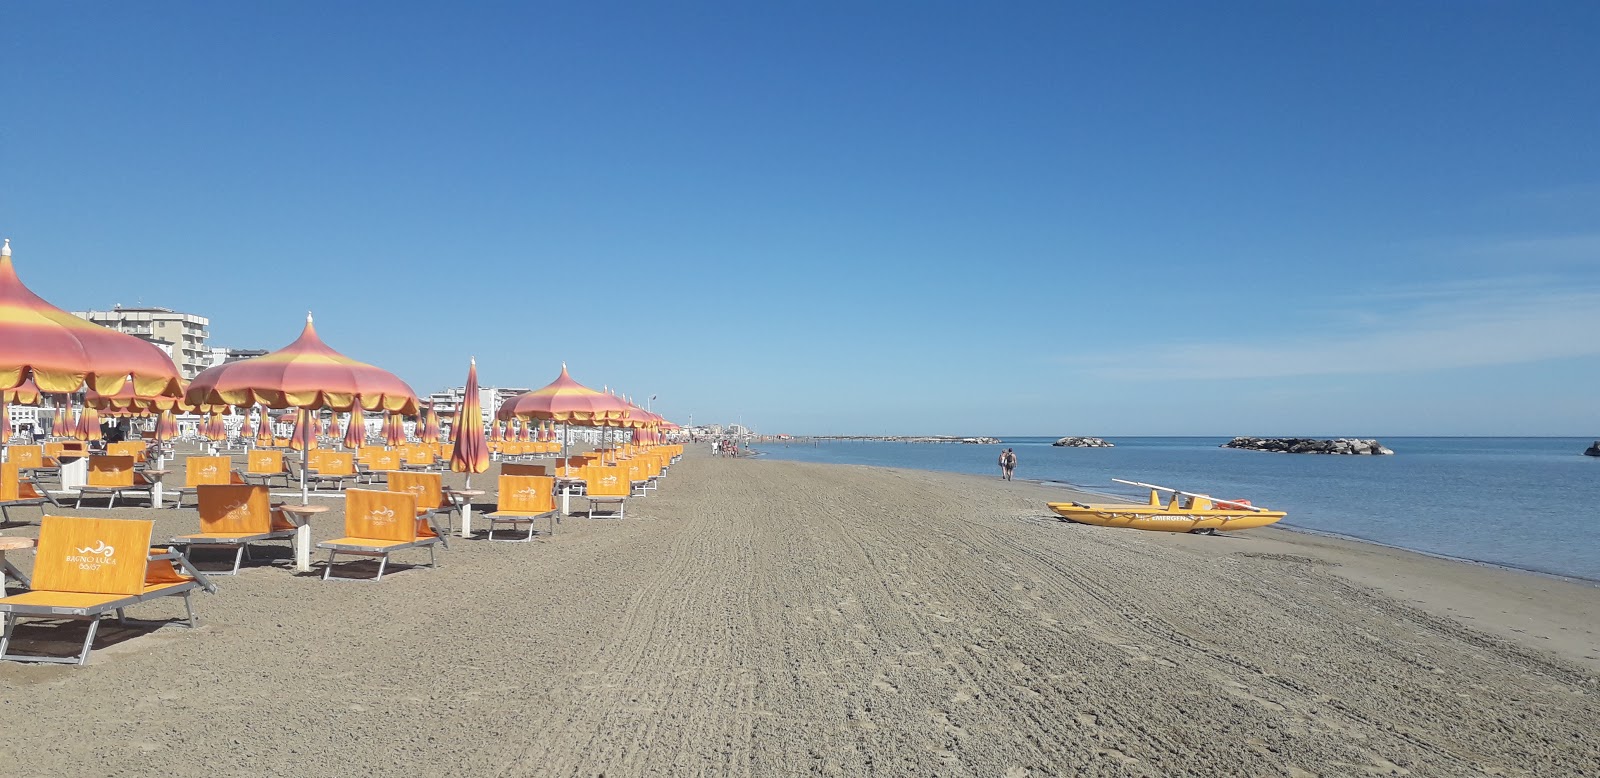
(222,355)
(446,401)
(181,335)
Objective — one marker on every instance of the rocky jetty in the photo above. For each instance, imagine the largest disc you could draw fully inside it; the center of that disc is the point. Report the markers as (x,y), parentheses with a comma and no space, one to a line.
(1310,446)
(1074,442)
(1593,451)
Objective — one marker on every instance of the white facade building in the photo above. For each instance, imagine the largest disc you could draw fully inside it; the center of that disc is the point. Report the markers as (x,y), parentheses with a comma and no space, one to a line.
(181,335)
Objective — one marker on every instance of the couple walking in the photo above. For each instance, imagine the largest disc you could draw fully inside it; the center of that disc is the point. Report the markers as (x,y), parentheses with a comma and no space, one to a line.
(1008,464)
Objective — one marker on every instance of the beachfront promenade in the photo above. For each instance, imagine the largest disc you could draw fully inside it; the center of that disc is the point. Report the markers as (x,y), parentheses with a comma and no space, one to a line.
(761,618)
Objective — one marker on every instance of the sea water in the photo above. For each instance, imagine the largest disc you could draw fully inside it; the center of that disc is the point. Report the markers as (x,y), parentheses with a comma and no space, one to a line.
(1522,502)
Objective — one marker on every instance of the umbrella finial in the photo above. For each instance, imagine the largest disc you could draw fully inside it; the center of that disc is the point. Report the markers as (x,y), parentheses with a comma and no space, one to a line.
(308,317)
(5,251)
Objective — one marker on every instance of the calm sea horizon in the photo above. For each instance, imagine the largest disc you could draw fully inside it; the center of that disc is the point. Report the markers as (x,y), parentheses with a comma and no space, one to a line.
(1518,502)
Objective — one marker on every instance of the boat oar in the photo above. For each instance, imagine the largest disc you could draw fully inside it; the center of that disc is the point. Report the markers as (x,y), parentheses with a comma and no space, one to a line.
(1214,500)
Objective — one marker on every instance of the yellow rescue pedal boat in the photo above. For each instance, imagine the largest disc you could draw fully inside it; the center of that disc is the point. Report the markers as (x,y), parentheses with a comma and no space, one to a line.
(1185,513)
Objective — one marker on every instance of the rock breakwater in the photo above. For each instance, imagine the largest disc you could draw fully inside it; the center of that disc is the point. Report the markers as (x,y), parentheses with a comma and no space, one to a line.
(1077,442)
(1354,446)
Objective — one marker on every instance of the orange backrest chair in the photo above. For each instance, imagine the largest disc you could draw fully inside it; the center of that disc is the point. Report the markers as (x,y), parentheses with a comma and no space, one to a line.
(232,516)
(523,499)
(607,485)
(135,449)
(377,524)
(113,477)
(16,492)
(28,457)
(86,568)
(428,488)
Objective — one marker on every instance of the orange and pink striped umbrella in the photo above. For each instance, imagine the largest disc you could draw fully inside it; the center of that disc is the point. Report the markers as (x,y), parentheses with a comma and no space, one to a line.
(355,430)
(394,431)
(166,427)
(428,430)
(305,374)
(264,436)
(214,429)
(26,394)
(471,454)
(304,436)
(63,353)
(247,429)
(89,420)
(567,401)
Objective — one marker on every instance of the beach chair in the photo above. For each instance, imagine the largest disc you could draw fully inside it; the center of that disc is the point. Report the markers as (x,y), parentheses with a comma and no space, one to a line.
(86,568)
(605,486)
(202,471)
(261,466)
(524,499)
(428,488)
(377,524)
(638,477)
(232,516)
(17,492)
(416,456)
(330,467)
(129,448)
(34,463)
(114,477)
(375,463)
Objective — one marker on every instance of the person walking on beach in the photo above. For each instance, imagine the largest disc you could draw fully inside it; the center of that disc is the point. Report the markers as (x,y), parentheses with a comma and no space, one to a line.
(1008,464)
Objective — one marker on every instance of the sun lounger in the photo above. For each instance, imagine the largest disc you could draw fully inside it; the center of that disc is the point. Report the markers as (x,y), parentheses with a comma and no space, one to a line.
(428,488)
(202,471)
(521,469)
(375,463)
(232,516)
(330,467)
(524,499)
(16,491)
(114,477)
(261,466)
(607,486)
(377,524)
(86,568)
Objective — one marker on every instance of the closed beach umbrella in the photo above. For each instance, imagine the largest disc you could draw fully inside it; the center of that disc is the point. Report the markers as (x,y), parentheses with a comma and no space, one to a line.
(355,430)
(394,431)
(471,453)
(264,436)
(90,420)
(247,430)
(304,436)
(309,375)
(427,426)
(166,426)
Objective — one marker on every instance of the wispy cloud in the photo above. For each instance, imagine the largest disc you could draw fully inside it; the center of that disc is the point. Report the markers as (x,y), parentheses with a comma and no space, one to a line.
(1450,326)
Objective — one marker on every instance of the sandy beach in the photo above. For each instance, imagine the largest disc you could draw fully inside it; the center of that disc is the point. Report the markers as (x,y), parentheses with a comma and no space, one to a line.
(763,618)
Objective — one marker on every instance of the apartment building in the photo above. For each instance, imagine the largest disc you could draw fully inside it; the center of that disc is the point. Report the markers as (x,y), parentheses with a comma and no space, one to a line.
(181,335)
(446,402)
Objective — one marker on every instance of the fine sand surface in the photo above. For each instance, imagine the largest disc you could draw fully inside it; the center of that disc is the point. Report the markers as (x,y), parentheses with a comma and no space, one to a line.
(761,618)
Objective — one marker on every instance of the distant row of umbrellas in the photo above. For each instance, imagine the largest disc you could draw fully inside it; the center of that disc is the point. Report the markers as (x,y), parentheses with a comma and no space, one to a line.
(45,350)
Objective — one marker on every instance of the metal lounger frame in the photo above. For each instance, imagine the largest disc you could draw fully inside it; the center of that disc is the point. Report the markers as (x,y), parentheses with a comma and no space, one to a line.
(620,512)
(93,615)
(516,519)
(241,546)
(382,556)
(113,491)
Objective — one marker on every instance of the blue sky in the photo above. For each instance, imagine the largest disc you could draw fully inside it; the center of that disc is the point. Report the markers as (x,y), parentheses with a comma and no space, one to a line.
(1029,218)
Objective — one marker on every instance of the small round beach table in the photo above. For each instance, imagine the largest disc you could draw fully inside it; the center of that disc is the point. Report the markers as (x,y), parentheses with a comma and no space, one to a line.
(300,517)
(463,500)
(11,544)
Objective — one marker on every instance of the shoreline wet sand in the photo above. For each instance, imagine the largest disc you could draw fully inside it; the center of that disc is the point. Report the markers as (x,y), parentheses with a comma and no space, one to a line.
(759,617)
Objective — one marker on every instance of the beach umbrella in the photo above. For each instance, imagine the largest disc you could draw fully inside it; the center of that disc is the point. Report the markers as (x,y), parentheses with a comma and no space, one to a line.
(90,421)
(264,436)
(62,353)
(566,401)
(428,430)
(308,375)
(471,453)
(355,430)
(247,430)
(394,431)
(303,437)
(166,427)
(26,394)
